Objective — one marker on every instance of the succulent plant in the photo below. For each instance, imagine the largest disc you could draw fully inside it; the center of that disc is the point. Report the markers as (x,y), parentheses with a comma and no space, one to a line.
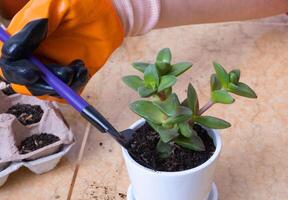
(171,119)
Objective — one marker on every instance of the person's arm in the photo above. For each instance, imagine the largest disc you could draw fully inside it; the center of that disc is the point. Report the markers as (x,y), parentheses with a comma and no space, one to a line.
(139,17)
(184,12)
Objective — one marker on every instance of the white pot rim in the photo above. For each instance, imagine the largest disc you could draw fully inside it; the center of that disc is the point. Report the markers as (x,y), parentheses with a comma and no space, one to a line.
(217,143)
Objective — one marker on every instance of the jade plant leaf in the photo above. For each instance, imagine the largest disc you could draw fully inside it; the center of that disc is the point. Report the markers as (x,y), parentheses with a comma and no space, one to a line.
(166,82)
(242,89)
(151,77)
(212,122)
(186,129)
(169,105)
(164,56)
(163,68)
(166,135)
(180,68)
(140,66)
(164,149)
(193,143)
(133,82)
(163,61)
(193,102)
(185,103)
(221,74)
(221,96)
(214,83)
(146,92)
(182,114)
(148,111)
(234,76)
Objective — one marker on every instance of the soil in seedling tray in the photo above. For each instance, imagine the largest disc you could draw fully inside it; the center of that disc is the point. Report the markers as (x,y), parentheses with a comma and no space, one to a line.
(27,114)
(143,150)
(36,141)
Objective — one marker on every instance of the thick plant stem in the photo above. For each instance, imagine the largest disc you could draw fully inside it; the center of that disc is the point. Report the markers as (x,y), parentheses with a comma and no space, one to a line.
(162,96)
(206,107)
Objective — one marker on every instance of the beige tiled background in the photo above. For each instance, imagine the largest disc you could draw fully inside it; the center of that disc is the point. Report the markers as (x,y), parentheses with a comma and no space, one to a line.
(253,164)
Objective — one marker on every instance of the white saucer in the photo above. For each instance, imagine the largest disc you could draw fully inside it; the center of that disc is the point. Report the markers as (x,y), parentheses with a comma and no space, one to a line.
(212,196)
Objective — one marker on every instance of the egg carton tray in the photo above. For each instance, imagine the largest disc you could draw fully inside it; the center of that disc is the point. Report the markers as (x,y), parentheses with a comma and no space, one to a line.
(12,133)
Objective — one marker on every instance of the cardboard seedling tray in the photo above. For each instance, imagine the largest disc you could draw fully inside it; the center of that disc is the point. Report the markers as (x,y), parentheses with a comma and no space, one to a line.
(12,133)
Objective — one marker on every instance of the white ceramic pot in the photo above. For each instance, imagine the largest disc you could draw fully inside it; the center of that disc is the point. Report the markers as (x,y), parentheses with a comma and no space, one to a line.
(193,184)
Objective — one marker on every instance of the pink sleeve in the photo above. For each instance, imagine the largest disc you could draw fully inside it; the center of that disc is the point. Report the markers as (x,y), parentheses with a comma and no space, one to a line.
(138,16)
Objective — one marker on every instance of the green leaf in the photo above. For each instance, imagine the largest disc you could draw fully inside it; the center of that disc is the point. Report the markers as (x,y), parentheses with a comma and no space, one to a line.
(221,96)
(140,66)
(164,56)
(214,83)
(192,99)
(166,82)
(193,143)
(148,111)
(151,77)
(181,115)
(221,74)
(212,122)
(146,92)
(234,76)
(185,103)
(163,61)
(169,105)
(186,129)
(242,89)
(164,149)
(166,134)
(133,82)
(163,68)
(180,68)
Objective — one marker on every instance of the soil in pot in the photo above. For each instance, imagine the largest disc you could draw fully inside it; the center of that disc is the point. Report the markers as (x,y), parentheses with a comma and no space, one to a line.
(36,141)
(27,114)
(143,150)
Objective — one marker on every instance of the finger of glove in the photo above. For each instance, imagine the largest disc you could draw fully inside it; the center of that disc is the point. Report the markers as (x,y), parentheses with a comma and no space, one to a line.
(81,76)
(22,44)
(64,73)
(21,72)
(75,75)
(41,88)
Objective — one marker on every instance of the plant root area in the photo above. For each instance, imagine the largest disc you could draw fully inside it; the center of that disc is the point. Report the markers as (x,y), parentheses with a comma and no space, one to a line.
(142,149)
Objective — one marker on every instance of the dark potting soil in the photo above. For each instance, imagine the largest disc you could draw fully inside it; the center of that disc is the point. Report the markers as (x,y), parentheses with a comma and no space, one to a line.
(27,114)
(36,141)
(143,150)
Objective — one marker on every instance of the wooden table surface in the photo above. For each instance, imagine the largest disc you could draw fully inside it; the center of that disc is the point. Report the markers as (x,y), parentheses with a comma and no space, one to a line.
(253,163)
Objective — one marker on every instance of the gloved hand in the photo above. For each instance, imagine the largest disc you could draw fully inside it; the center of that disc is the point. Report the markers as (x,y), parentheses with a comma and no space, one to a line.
(17,69)
(59,31)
